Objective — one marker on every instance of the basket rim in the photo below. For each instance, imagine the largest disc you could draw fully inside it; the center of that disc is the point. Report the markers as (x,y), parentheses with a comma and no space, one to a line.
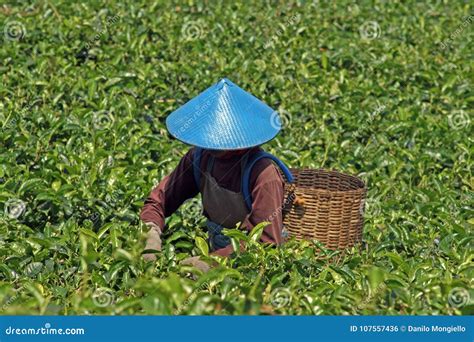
(359,190)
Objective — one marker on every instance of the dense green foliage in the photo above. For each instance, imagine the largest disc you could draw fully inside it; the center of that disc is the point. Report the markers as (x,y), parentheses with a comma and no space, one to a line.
(383,91)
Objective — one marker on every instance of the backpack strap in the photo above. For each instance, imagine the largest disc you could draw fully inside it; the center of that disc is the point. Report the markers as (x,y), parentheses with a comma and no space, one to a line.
(197,166)
(248,169)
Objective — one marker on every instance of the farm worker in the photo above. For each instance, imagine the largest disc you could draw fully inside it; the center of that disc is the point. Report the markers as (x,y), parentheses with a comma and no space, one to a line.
(238,182)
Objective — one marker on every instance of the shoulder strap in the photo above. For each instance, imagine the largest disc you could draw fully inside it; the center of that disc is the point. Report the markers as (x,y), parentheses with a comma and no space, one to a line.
(248,169)
(197,166)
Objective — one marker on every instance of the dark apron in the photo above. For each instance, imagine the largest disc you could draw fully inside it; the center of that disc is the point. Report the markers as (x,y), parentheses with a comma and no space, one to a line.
(225,208)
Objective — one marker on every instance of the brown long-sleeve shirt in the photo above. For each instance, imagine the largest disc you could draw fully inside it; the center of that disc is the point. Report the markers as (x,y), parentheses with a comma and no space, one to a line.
(266,187)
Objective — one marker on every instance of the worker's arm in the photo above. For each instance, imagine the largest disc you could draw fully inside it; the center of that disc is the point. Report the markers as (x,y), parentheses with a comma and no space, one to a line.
(267,189)
(170,193)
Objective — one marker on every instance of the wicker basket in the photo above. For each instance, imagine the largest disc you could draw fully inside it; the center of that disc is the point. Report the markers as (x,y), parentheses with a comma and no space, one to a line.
(325,205)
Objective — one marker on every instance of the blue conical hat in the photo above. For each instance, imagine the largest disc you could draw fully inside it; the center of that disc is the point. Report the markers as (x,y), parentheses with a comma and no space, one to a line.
(224,117)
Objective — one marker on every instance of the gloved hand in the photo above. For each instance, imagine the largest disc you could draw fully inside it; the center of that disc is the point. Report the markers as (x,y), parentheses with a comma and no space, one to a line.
(197,263)
(153,241)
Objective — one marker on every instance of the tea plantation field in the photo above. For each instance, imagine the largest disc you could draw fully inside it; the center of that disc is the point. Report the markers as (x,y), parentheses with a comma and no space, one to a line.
(382,90)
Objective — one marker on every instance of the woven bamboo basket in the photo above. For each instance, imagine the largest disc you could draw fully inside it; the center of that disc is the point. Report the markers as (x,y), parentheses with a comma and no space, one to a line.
(325,205)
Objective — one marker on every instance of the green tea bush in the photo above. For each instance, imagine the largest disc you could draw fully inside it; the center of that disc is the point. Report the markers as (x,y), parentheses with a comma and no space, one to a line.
(381,90)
